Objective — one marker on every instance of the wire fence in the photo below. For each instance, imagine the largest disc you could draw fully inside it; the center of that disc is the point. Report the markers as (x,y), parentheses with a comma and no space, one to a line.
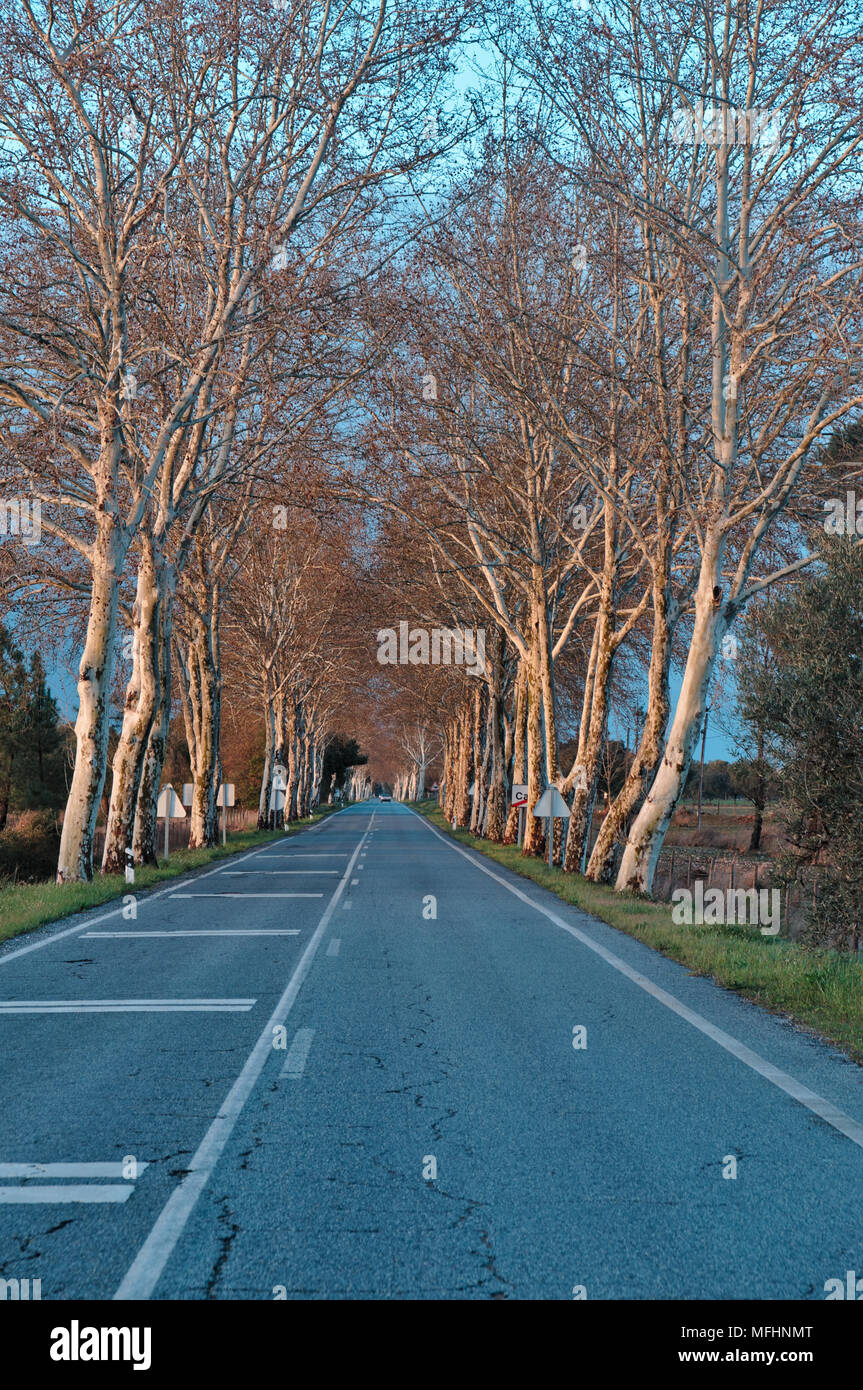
(682,868)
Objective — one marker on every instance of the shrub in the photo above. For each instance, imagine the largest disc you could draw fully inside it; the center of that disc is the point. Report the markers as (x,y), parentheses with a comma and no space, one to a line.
(29,849)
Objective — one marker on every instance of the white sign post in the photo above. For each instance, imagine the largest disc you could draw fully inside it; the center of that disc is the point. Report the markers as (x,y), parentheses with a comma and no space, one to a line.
(551,804)
(170,806)
(225,799)
(519,799)
(278,788)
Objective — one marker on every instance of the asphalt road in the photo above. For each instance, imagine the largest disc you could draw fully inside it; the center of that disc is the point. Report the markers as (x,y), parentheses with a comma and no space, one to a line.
(428,1129)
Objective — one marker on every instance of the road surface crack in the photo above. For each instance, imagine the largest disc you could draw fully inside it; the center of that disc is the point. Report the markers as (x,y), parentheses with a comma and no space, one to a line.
(491,1266)
(226,1241)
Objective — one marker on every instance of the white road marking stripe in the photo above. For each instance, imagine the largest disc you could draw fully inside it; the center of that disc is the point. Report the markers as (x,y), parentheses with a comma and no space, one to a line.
(145,901)
(74,1003)
(334,946)
(825,1109)
(67,1170)
(297,854)
(146,1268)
(245,873)
(92,1192)
(298,1053)
(354,882)
(247,895)
(346,907)
(228,931)
(12,1007)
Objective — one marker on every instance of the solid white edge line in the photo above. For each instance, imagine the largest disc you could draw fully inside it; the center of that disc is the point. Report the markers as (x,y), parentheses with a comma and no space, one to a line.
(824,1109)
(146,1269)
(151,897)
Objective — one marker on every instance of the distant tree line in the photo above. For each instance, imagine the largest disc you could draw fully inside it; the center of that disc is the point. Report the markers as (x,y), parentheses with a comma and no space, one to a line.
(33,745)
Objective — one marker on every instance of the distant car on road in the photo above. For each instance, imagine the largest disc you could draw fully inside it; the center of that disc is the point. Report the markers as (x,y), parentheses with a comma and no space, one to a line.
(384,797)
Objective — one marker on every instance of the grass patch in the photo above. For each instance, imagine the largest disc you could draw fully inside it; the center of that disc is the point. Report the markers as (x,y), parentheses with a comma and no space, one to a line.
(24,906)
(822,990)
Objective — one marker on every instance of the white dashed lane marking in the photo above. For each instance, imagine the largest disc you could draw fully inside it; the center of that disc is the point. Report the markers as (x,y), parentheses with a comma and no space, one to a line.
(45,1193)
(247,895)
(12,1007)
(298,1053)
(227,931)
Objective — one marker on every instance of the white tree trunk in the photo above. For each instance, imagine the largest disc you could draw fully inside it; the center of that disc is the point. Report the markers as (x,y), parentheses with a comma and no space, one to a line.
(207,713)
(142,697)
(269,757)
(95,674)
(645,839)
(144,835)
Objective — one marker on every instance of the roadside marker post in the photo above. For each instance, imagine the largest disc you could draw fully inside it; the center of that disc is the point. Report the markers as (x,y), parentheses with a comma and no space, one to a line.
(551,804)
(225,799)
(277,802)
(278,791)
(170,806)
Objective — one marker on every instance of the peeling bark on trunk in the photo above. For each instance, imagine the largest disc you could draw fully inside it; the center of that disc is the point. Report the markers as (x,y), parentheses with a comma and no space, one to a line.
(142,699)
(590,748)
(144,837)
(95,674)
(534,830)
(480,756)
(464,770)
(593,730)
(269,757)
(518,749)
(645,839)
(495,808)
(450,768)
(304,793)
(295,771)
(631,796)
(277,816)
(207,716)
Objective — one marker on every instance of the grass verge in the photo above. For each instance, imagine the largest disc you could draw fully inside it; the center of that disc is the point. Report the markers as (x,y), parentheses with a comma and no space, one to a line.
(821,990)
(25,906)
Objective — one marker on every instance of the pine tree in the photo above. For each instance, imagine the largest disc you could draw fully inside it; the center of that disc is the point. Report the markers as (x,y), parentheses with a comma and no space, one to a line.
(13,709)
(42,782)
